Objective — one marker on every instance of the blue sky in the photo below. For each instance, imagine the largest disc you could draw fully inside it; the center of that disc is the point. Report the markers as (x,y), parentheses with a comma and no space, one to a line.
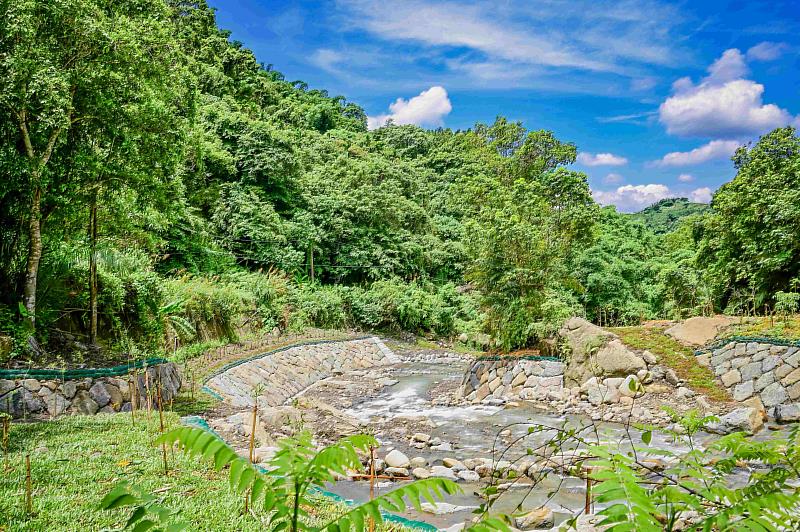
(656,95)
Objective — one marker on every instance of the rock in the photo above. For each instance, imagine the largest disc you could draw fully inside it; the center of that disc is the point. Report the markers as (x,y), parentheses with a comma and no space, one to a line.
(108,409)
(745,419)
(699,330)
(420,473)
(472,463)
(755,402)
(791,378)
(671,377)
(630,386)
(421,437)
(743,391)
(788,413)
(702,403)
(68,389)
(649,358)
(751,371)
(443,472)
(418,461)
(84,404)
(396,458)
(582,338)
(32,385)
(773,395)
(56,404)
(535,519)
(684,393)
(454,464)
(396,471)
(442,447)
(100,394)
(468,476)
(704,360)
(730,378)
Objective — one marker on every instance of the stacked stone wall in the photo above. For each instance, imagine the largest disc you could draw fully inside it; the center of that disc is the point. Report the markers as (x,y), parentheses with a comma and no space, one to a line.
(50,398)
(510,377)
(768,372)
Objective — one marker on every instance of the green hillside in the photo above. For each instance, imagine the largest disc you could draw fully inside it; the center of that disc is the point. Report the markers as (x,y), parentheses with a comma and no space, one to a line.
(664,216)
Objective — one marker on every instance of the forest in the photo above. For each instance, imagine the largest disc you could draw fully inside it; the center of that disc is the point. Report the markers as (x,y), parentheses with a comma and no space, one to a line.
(162,187)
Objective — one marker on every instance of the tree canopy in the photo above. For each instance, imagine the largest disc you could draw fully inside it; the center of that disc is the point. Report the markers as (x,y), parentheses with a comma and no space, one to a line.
(153,168)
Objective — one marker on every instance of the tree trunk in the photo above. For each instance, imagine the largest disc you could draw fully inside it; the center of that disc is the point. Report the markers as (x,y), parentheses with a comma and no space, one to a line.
(34,256)
(93,270)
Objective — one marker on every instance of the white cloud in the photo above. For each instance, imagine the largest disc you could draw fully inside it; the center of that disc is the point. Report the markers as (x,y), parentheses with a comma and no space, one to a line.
(716,149)
(631,198)
(613,179)
(722,104)
(686,178)
(728,67)
(701,195)
(327,59)
(428,108)
(601,159)
(766,51)
(479,38)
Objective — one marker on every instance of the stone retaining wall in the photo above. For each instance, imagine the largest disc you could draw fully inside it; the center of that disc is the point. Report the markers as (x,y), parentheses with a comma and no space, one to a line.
(511,377)
(103,395)
(760,370)
(285,373)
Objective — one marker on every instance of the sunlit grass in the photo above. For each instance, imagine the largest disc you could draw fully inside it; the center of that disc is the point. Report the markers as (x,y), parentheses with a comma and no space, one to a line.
(673,354)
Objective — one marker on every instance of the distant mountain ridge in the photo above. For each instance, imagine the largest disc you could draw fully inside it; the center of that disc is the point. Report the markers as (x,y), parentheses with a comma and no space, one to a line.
(665,215)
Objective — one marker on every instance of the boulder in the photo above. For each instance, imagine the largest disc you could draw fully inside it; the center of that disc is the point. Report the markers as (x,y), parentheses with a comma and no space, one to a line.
(746,419)
(418,461)
(396,471)
(100,394)
(420,473)
(396,458)
(788,413)
(83,403)
(582,339)
(699,330)
(453,464)
(535,519)
(773,395)
(468,476)
(443,472)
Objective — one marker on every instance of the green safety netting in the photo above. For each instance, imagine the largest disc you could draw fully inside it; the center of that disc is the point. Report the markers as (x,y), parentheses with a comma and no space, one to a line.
(196,421)
(747,339)
(524,357)
(66,374)
(239,362)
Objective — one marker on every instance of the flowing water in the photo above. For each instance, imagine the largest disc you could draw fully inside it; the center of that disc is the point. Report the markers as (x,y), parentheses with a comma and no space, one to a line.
(473,431)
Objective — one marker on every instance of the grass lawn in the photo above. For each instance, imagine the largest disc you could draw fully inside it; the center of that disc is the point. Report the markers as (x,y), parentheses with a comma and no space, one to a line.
(76,460)
(675,355)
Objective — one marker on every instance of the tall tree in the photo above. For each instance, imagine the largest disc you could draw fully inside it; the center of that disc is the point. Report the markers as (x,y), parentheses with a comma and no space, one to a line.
(69,65)
(751,243)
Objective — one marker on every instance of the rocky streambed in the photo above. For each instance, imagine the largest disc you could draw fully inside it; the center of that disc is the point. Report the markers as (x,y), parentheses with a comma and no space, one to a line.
(416,409)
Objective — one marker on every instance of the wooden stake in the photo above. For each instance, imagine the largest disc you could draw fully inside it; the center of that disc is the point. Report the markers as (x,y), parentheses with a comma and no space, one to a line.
(371,483)
(161,419)
(587,509)
(252,445)
(133,386)
(28,486)
(5,440)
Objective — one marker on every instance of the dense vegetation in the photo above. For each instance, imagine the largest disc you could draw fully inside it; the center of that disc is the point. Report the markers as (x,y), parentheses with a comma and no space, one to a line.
(664,216)
(159,183)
